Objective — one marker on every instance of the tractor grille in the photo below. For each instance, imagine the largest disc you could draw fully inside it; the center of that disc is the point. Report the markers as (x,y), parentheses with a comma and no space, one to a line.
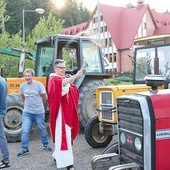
(106,105)
(130,126)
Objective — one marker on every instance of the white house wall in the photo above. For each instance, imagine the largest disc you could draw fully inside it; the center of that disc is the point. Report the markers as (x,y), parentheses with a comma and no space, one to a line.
(146,27)
(108,48)
(150,27)
(142,30)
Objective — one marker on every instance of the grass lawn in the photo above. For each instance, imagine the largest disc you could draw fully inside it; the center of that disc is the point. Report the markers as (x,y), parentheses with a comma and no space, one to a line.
(113,82)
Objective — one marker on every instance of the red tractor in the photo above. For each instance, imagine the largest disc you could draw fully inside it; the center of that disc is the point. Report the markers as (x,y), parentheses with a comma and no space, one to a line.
(143,130)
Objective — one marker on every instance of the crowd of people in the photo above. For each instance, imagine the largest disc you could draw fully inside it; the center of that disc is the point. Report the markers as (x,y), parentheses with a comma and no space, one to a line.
(62,97)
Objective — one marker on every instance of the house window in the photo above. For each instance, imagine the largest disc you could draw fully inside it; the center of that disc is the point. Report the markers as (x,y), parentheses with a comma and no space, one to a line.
(110,59)
(93,20)
(105,44)
(101,30)
(114,57)
(101,18)
(105,29)
(95,30)
(144,25)
(110,42)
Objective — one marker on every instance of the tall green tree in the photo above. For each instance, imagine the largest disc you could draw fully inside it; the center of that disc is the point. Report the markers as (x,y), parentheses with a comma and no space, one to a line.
(9,63)
(45,27)
(3,17)
(73,13)
(14,9)
(53,21)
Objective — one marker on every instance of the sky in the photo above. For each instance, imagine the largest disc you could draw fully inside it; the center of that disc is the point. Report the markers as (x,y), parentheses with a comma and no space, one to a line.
(159,5)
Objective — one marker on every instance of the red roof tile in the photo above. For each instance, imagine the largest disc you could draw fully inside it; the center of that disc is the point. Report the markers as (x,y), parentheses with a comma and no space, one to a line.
(162,30)
(75,29)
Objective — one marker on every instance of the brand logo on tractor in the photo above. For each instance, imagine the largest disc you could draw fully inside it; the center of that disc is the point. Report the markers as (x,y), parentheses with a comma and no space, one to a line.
(129,140)
(163,134)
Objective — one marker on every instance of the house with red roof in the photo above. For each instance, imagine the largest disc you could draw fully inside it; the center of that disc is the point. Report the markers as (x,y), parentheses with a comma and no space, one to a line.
(117,27)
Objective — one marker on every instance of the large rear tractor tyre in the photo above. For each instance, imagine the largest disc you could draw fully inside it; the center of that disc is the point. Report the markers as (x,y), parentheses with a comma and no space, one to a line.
(12,120)
(87,101)
(93,136)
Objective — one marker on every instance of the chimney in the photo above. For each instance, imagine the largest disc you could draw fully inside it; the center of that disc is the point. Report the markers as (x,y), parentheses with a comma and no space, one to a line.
(140,2)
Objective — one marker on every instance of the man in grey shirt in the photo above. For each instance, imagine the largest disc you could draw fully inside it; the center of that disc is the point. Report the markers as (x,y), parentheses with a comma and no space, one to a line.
(34,96)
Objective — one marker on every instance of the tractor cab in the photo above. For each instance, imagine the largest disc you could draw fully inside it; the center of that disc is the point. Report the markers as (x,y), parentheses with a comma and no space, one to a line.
(152,57)
(78,52)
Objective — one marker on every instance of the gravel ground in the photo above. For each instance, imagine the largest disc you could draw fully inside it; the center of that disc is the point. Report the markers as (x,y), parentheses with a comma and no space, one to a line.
(39,159)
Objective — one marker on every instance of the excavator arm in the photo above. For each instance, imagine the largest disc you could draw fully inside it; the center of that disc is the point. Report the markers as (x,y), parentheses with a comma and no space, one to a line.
(17,52)
(22,54)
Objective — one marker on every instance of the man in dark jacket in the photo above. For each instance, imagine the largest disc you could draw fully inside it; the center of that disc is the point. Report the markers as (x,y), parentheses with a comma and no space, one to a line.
(3,142)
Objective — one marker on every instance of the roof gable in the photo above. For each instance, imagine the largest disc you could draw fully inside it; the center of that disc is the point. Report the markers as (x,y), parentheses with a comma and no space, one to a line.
(112,17)
(120,23)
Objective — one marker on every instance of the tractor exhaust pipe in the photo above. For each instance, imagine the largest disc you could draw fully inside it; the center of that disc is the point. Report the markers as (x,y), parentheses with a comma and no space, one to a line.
(154,81)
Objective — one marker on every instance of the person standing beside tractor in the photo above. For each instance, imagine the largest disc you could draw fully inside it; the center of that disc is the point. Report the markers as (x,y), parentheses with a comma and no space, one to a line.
(3,141)
(63,98)
(34,96)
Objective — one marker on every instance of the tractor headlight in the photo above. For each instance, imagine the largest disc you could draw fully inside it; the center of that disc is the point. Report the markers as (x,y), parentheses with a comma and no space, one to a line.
(138,144)
(122,137)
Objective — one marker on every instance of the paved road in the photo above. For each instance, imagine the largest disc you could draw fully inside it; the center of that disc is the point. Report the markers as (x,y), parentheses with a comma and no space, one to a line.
(40,159)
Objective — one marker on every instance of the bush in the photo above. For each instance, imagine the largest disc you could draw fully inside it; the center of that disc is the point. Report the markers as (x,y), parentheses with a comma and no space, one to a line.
(115,82)
(124,78)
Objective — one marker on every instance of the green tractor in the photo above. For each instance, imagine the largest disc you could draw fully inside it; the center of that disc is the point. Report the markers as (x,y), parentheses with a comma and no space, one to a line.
(79,52)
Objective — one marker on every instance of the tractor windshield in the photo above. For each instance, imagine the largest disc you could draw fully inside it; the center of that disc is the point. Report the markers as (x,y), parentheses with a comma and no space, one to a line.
(44,61)
(151,60)
(91,57)
(76,51)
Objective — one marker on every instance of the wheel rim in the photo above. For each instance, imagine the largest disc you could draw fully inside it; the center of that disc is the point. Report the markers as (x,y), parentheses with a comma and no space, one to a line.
(12,120)
(97,136)
(91,106)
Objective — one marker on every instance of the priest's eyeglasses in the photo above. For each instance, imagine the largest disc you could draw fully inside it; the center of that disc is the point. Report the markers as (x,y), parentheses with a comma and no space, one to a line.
(63,68)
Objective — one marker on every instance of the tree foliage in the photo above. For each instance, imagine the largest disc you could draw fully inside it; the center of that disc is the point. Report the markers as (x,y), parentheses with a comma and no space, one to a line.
(53,21)
(73,13)
(2,17)
(130,5)
(10,64)
(45,27)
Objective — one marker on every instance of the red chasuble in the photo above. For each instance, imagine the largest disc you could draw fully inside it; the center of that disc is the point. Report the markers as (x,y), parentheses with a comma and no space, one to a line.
(69,107)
